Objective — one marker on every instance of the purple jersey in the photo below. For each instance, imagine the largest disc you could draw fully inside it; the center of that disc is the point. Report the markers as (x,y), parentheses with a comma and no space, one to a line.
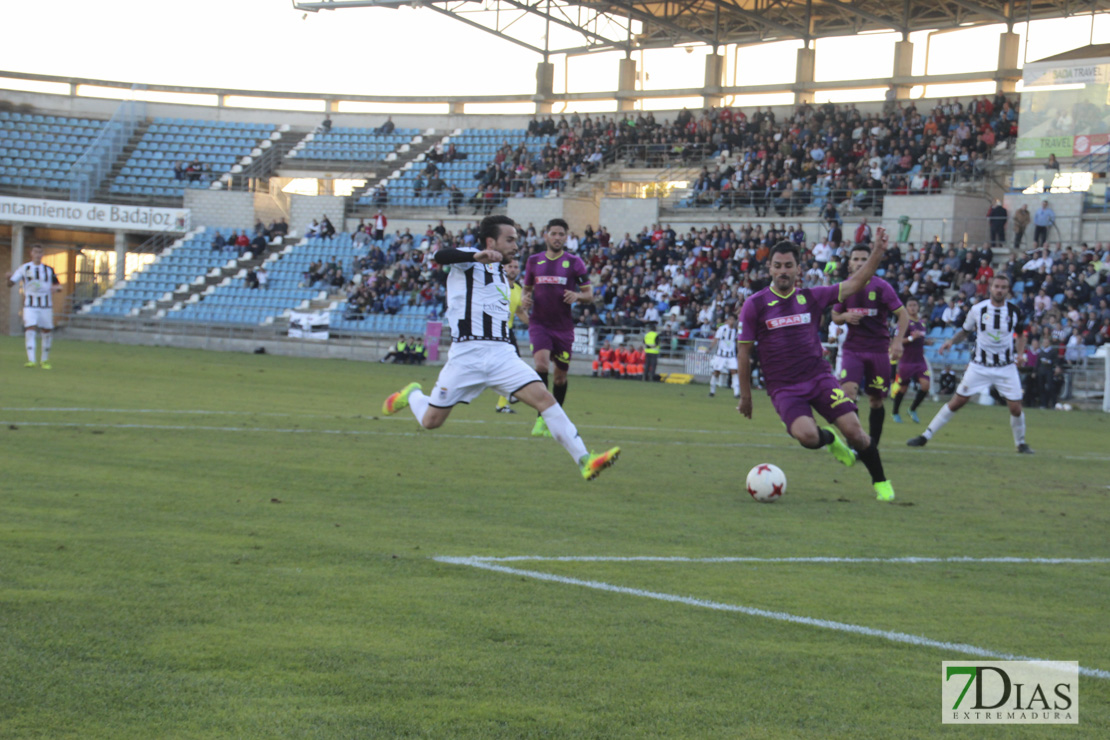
(875,303)
(913,349)
(549,278)
(787,331)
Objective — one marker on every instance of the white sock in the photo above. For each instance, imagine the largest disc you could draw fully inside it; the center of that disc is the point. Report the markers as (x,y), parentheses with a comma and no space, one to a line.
(712,383)
(32,343)
(47,340)
(1017,425)
(943,417)
(736,385)
(564,431)
(419,403)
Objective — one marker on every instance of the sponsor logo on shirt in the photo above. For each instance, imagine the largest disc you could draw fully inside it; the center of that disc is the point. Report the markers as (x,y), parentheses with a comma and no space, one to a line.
(795,320)
(864,311)
(551,280)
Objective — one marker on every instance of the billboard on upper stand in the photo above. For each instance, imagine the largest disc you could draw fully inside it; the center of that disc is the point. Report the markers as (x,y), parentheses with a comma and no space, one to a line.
(1065,109)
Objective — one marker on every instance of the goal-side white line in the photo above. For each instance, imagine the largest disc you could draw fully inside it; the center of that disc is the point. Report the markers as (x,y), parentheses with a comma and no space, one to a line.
(913,560)
(856,629)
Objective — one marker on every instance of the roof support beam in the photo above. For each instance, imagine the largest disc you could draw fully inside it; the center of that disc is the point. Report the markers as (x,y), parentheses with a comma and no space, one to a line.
(853,10)
(977,8)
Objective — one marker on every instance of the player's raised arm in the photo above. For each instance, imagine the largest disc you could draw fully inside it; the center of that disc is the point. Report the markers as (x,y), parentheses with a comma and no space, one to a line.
(859,278)
(452,256)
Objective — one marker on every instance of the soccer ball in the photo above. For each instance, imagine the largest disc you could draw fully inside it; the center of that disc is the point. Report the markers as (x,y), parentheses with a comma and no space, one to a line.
(766,482)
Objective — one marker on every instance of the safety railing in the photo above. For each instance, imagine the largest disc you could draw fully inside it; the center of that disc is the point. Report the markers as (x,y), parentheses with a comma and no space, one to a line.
(90,169)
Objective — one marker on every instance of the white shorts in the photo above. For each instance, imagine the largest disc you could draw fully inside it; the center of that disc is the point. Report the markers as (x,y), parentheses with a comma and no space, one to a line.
(979,379)
(474,366)
(721,364)
(43,318)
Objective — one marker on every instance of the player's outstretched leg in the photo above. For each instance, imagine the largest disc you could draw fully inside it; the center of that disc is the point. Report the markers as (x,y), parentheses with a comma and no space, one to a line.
(565,433)
(836,446)
(868,452)
(399,400)
(594,464)
(943,417)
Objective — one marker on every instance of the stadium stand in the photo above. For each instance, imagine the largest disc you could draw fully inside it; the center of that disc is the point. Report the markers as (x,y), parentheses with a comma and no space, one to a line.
(234,302)
(37,151)
(478,149)
(184,262)
(175,153)
(353,144)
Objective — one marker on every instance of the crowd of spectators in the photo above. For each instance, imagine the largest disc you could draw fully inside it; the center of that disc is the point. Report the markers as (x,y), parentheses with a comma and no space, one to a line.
(842,156)
(758,160)
(192,171)
(253,242)
(684,282)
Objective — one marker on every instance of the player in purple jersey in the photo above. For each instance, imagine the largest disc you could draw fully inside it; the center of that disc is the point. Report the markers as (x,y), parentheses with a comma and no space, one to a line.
(786,322)
(912,368)
(553,282)
(869,353)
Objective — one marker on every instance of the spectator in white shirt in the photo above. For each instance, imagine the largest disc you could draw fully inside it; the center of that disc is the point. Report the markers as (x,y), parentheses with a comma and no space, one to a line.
(951,314)
(822,253)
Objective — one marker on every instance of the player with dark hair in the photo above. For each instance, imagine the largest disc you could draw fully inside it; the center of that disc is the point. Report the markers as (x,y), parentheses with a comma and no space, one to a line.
(39,283)
(786,322)
(912,368)
(553,282)
(481,354)
(994,363)
(869,353)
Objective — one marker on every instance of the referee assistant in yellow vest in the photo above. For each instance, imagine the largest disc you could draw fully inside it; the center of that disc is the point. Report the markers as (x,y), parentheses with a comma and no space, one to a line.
(651,353)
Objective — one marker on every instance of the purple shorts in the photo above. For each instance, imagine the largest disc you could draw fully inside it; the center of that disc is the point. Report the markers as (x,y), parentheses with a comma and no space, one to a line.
(559,344)
(869,370)
(908,371)
(823,393)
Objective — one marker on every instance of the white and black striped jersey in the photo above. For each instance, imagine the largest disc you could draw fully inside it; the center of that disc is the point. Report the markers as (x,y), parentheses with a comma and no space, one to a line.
(726,341)
(478,302)
(38,284)
(994,328)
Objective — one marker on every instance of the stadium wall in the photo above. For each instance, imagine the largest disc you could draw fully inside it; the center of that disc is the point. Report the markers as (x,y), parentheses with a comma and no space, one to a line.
(234,210)
(304,208)
(949,216)
(628,215)
(577,212)
(1070,227)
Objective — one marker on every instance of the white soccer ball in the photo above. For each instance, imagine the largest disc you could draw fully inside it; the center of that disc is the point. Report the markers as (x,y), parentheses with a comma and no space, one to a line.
(766,482)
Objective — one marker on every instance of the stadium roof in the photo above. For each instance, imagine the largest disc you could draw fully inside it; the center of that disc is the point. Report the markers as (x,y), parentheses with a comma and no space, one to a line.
(606,25)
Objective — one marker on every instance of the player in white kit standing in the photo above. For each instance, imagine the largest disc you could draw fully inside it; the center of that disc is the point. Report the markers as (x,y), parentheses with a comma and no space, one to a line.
(39,283)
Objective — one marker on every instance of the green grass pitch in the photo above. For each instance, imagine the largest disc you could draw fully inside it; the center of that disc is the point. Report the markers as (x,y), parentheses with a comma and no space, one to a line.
(205,545)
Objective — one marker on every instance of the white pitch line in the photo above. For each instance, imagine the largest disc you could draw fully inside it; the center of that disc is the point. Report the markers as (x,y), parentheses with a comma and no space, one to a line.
(856,629)
(910,560)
